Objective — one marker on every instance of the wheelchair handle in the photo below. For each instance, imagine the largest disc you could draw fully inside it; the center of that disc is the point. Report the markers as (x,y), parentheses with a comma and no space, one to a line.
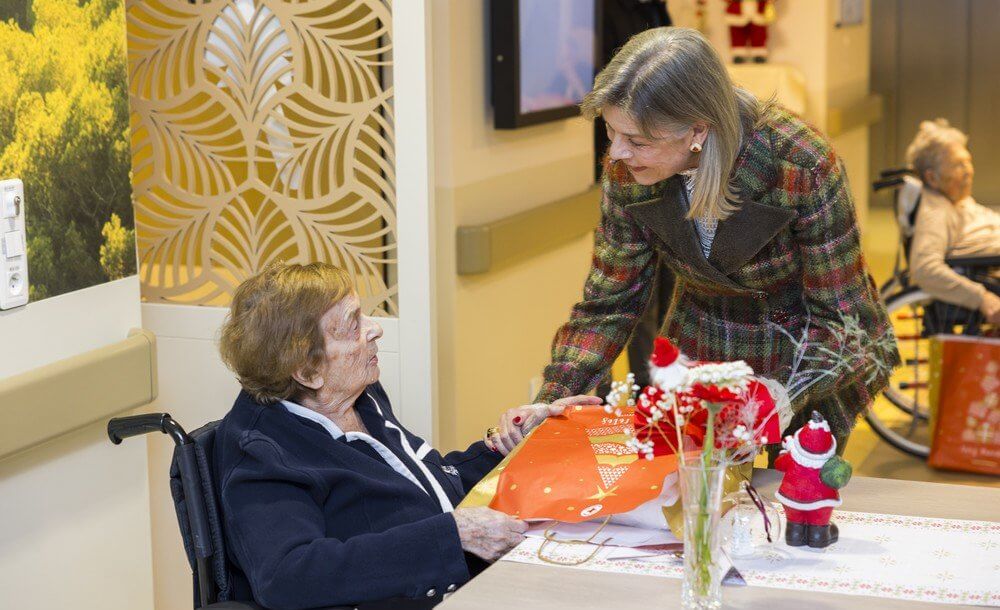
(900,171)
(120,428)
(878,185)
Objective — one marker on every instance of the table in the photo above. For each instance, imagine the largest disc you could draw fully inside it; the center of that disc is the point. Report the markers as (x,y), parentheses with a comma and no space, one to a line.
(514,585)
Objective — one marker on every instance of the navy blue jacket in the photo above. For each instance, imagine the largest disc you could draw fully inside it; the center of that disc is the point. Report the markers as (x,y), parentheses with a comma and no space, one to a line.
(314,520)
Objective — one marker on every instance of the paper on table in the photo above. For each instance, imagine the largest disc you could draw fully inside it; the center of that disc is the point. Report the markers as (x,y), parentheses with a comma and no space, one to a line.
(610,534)
(621,560)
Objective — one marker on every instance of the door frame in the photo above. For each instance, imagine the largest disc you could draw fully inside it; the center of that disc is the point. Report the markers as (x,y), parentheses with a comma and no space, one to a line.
(411,69)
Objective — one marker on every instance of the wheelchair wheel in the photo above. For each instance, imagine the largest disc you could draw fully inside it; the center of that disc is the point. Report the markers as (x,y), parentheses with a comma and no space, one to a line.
(907,428)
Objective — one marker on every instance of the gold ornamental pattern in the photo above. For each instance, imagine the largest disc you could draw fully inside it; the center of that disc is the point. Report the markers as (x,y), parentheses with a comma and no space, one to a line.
(261,130)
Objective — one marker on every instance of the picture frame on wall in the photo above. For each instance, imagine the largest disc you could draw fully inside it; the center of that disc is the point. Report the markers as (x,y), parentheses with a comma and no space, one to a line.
(545,54)
(852,12)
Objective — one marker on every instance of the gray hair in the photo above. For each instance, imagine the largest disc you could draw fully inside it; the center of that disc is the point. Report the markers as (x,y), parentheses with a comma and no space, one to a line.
(930,146)
(668,79)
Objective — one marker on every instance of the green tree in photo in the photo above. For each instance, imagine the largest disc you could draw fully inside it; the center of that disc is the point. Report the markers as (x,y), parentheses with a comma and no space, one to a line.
(118,248)
(64,130)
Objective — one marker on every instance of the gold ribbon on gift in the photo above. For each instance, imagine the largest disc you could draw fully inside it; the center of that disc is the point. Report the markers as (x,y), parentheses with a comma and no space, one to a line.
(483,492)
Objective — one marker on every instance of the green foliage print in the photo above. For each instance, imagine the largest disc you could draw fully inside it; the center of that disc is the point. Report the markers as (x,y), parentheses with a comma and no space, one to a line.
(64,130)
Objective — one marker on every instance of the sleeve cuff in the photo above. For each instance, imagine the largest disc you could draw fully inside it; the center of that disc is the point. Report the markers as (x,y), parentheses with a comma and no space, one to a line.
(552,391)
(449,546)
(980,295)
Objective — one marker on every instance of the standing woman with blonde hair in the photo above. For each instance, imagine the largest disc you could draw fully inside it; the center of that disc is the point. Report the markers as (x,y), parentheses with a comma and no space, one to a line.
(750,208)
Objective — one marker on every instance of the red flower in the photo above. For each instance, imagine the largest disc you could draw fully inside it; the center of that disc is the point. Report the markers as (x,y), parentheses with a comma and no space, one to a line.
(732,413)
(664,432)
(713,393)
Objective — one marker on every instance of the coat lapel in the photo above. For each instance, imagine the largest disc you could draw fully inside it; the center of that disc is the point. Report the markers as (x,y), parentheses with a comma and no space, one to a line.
(741,236)
(737,239)
(665,217)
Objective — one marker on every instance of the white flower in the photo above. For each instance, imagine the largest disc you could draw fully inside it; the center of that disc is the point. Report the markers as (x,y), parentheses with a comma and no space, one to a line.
(742,433)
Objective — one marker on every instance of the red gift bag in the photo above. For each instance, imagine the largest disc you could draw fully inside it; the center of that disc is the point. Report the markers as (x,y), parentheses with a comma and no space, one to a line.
(965,404)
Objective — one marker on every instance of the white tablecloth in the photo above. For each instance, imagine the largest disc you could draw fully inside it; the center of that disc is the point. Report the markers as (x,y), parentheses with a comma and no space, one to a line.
(915,558)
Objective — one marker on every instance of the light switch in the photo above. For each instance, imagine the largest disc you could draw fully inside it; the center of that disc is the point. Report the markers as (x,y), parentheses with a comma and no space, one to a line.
(13,245)
(11,204)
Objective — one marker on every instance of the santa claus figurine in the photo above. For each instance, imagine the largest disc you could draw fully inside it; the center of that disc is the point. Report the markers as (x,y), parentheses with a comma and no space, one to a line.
(748,21)
(809,490)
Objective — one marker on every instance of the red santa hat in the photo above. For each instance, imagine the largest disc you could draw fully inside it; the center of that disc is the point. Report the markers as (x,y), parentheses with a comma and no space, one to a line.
(667,368)
(664,353)
(815,438)
(813,443)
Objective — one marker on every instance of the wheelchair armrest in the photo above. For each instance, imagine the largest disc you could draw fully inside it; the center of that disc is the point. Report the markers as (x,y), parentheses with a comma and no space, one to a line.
(973,261)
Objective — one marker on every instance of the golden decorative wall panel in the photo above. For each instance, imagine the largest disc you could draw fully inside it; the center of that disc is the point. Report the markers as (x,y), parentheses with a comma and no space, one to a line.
(261,130)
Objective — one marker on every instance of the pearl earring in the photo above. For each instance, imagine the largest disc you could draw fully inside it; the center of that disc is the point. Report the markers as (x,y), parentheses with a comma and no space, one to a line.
(695,147)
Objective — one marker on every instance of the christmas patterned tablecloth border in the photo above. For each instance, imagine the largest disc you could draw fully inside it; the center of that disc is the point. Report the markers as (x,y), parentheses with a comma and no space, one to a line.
(947,561)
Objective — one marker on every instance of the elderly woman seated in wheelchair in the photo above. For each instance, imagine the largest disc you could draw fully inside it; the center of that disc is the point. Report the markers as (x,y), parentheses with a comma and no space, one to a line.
(945,280)
(326,498)
(950,223)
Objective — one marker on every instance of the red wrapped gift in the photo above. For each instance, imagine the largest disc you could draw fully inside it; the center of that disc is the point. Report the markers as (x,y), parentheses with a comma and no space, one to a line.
(965,404)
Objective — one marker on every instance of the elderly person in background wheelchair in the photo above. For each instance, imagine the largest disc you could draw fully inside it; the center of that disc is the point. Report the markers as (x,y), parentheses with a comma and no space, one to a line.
(950,223)
(326,498)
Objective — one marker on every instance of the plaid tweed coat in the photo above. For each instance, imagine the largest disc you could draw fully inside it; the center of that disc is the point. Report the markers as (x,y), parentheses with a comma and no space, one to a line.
(791,252)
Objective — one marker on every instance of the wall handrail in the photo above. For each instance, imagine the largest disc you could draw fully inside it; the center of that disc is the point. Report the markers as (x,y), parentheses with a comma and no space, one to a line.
(862,113)
(49,401)
(486,247)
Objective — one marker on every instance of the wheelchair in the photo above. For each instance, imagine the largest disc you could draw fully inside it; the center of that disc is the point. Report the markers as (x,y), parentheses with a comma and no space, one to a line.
(218,583)
(916,316)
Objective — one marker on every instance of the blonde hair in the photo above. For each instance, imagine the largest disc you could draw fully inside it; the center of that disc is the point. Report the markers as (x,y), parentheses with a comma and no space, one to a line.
(931,145)
(272,329)
(668,79)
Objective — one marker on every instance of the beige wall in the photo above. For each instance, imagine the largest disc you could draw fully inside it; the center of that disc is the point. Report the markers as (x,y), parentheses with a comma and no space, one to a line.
(495,329)
(74,512)
(835,62)
(848,61)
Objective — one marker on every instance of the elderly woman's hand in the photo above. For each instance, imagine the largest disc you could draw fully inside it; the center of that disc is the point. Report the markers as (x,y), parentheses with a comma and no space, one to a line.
(487,533)
(516,423)
(991,308)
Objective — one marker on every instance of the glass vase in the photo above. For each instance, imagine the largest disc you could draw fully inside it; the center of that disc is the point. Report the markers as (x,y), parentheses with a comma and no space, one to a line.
(701,497)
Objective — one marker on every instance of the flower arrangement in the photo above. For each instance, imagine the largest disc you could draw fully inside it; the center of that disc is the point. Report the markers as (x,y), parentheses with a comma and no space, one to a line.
(716,413)
(711,415)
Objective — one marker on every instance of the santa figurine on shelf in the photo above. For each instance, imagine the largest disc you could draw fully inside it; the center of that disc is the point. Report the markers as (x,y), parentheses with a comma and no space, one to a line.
(748,21)
(809,491)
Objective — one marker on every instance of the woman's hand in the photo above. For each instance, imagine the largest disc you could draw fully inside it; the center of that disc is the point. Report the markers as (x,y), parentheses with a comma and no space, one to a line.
(991,308)
(516,423)
(487,533)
